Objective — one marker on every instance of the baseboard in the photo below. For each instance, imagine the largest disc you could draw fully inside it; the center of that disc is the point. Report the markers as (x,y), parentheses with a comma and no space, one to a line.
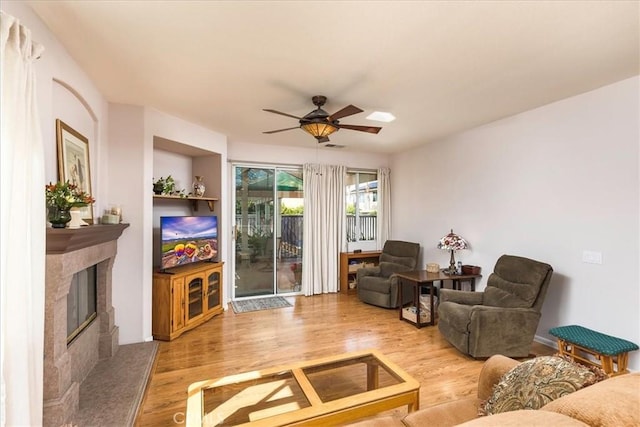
(545,341)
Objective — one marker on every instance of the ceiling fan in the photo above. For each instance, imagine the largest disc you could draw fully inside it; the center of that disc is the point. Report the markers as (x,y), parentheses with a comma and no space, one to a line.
(321,124)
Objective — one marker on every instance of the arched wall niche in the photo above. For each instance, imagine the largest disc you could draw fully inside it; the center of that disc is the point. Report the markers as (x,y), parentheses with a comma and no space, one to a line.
(72,108)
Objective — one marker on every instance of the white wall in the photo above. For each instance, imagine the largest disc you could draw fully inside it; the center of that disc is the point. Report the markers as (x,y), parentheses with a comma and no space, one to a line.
(179,166)
(545,184)
(306,153)
(128,167)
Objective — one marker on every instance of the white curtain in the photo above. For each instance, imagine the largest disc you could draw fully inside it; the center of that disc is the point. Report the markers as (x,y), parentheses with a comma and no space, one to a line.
(384,207)
(22,229)
(324,232)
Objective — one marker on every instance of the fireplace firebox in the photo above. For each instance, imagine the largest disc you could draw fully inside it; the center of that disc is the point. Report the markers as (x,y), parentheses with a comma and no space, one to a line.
(81,302)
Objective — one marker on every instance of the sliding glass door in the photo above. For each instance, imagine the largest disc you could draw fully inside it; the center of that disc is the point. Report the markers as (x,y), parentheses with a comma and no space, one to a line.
(267,230)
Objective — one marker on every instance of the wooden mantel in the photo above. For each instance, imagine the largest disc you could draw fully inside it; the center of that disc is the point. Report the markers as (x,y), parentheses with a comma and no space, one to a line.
(62,240)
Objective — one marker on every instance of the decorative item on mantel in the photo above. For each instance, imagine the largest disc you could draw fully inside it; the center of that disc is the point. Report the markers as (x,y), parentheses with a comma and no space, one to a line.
(76,218)
(452,242)
(198,186)
(113,215)
(61,198)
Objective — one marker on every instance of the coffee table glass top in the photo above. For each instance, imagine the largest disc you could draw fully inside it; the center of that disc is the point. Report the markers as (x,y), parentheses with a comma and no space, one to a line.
(252,399)
(296,392)
(349,377)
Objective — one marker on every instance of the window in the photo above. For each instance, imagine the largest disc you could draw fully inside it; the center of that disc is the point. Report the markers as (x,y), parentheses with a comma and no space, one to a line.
(361,200)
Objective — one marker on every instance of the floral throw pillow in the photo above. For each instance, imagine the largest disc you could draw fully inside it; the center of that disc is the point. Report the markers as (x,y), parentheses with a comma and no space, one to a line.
(536,382)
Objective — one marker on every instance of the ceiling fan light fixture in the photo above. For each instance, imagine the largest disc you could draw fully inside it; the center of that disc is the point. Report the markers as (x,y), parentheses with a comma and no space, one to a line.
(321,124)
(319,129)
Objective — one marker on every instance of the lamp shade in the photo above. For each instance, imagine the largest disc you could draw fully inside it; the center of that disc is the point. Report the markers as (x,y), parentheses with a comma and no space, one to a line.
(319,129)
(452,242)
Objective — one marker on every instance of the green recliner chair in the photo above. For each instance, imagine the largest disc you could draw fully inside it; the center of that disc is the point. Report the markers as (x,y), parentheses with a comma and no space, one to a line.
(378,285)
(501,320)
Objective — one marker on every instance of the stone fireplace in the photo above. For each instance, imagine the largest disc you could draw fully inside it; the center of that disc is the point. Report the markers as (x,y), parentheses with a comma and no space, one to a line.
(66,366)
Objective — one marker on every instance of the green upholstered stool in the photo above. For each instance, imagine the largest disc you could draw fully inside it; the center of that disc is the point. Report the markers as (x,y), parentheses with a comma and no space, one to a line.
(577,342)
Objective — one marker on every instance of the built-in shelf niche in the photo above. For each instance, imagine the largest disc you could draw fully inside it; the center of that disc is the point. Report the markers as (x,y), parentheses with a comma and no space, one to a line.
(189,162)
(204,163)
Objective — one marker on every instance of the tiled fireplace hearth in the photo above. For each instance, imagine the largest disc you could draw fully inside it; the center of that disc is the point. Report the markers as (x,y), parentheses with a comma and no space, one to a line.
(65,367)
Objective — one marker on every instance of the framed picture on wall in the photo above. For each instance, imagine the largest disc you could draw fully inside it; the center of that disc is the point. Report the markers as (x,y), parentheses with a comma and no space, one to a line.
(73,162)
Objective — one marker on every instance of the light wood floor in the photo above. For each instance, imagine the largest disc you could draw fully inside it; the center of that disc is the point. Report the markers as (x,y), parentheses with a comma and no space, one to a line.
(314,327)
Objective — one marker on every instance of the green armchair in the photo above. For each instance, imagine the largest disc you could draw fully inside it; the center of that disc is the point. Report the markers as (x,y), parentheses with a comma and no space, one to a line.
(501,320)
(379,285)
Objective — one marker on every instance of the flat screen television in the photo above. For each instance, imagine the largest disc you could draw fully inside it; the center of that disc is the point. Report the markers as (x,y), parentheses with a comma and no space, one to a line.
(188,239)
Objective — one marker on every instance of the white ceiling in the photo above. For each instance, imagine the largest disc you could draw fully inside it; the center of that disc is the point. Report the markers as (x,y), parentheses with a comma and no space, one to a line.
(440,66)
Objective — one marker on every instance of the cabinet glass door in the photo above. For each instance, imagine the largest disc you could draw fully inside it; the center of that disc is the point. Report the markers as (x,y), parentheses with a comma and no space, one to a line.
(194,295)
(268,231)
(213,290)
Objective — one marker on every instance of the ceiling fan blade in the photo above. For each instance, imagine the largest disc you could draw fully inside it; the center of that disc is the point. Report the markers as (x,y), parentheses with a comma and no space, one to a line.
(370,129)
(346,111)
(281,113)
(281,130)
(324,139)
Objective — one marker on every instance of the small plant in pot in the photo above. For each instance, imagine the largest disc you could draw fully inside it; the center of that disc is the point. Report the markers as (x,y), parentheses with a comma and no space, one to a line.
(165,186)
(158,186)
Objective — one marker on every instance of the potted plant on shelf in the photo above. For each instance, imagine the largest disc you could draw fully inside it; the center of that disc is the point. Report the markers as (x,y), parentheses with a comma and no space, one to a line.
(158,186)
(61,197)
(166,186)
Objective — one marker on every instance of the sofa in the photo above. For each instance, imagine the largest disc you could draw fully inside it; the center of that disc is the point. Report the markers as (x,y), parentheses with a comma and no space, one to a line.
(609,402)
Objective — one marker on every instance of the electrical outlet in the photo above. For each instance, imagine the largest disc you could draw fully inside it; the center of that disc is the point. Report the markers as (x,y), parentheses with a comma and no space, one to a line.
(592,257)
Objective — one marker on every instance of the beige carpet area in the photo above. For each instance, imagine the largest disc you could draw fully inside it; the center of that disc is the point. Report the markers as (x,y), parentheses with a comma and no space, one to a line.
(113,390)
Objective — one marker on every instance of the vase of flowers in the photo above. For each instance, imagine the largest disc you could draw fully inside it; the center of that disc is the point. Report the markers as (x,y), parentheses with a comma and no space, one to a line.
(61,197)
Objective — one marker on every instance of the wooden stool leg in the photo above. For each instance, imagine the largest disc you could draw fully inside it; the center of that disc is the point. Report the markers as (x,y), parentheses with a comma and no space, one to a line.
(607,364)
(622,360)
(561,347)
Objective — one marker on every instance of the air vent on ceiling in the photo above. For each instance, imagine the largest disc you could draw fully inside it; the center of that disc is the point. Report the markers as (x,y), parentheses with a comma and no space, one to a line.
(334,146)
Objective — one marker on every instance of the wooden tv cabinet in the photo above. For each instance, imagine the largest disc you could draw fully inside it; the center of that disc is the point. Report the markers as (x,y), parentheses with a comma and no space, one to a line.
(185,297)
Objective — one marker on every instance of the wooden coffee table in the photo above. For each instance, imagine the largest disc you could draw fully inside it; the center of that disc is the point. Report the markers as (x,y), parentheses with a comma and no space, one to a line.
(319,392)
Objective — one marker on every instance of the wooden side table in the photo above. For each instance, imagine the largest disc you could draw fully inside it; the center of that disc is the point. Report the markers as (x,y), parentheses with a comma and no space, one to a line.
(419,279)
